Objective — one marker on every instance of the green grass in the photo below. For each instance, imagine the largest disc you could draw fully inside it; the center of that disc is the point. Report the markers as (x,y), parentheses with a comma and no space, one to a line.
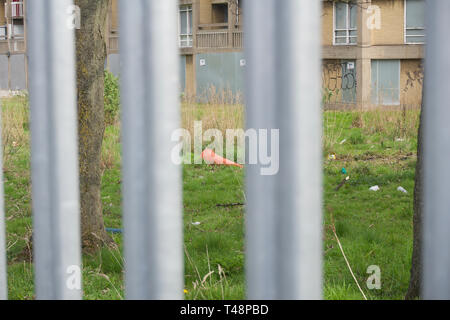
(375,228)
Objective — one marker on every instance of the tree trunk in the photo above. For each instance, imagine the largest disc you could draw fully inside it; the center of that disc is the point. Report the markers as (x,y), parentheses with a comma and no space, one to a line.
(415,282)
(91,55)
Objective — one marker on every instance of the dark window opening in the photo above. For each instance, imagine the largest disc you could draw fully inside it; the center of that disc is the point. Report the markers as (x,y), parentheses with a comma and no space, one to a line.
(220,13)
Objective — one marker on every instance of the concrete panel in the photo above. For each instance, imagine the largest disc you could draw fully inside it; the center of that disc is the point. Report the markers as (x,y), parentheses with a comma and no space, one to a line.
(18,74)
(339,81)
(327,24)
(3,72)
(182,73)
(114,64)
(223,71)
(411,82)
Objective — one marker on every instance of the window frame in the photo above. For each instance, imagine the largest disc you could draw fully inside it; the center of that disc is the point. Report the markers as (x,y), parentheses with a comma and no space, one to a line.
(399,82)
(185,40)
(405,28)
(347,30)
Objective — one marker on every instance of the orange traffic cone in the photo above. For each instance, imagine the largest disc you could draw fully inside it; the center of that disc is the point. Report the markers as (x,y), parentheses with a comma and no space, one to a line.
(211,157)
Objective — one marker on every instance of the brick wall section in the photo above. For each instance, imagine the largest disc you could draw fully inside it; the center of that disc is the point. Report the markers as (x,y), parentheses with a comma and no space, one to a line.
(2,13)
(392,23)
(411,79)
(327,24)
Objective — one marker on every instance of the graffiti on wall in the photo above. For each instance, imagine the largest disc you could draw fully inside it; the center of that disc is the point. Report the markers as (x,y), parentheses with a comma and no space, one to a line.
(337,76)
(414,78)
(339,81)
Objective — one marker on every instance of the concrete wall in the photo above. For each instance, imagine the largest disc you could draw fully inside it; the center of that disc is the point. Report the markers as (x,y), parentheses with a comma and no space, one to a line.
(205,12)
(182,73)
(18,74)
(411,81)
(114,15)
(113,64)
(3,72)
(221,70)
(190,83)
(339,81)
(327,24)
(392,23)
(2,13)
(18,78)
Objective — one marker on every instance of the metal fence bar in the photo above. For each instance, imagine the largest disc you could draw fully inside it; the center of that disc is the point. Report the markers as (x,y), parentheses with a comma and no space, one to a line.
(300,178)
(261,241)
(3,268)
(54,152)
(284,211)
(436,255)
(153,228)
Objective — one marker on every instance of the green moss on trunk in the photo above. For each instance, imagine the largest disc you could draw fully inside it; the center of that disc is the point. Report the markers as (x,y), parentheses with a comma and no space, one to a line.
(91,55)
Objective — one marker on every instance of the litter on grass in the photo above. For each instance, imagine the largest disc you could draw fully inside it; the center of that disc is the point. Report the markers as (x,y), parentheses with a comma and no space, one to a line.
(401,189)
(196,223)
(342,183)
(374,188)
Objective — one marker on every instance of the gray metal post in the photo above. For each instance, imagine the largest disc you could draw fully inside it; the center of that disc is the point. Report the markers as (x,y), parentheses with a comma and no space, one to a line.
(152,206)
(54,151)
(284,212)
(261,113)
(3,269)
(436,255)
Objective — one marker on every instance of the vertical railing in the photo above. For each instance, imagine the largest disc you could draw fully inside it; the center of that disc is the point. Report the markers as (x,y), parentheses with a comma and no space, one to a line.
(238,39)
(54,152)
(436,216)
(284,211)
(152,204)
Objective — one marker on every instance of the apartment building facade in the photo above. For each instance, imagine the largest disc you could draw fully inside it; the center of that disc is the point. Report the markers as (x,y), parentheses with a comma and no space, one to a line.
(13,61)
(372,49)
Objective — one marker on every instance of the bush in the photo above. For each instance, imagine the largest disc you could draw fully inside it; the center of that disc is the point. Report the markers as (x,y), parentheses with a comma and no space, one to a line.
(112,98)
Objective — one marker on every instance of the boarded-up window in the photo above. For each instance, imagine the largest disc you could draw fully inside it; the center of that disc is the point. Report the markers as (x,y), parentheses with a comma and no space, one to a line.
(386,82)
(415,21)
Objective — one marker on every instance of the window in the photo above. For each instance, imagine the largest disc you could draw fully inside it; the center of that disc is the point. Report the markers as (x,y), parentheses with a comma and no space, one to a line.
(185,26)
(3,32)
(386,82)
(345,16)
(18,31)
(414,21)
(220,13)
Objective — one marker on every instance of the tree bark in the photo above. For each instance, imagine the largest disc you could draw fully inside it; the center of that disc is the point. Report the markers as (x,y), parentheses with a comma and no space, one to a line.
(415,282)
(91,55)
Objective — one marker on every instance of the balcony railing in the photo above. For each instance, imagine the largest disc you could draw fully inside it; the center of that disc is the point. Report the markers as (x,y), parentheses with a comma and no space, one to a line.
(113,43)
(223,39)
(219,39)
(238,39)
(213,39)
(14,46)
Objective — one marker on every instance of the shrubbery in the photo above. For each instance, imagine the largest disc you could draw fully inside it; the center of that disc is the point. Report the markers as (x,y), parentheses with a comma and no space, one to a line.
(112,98)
